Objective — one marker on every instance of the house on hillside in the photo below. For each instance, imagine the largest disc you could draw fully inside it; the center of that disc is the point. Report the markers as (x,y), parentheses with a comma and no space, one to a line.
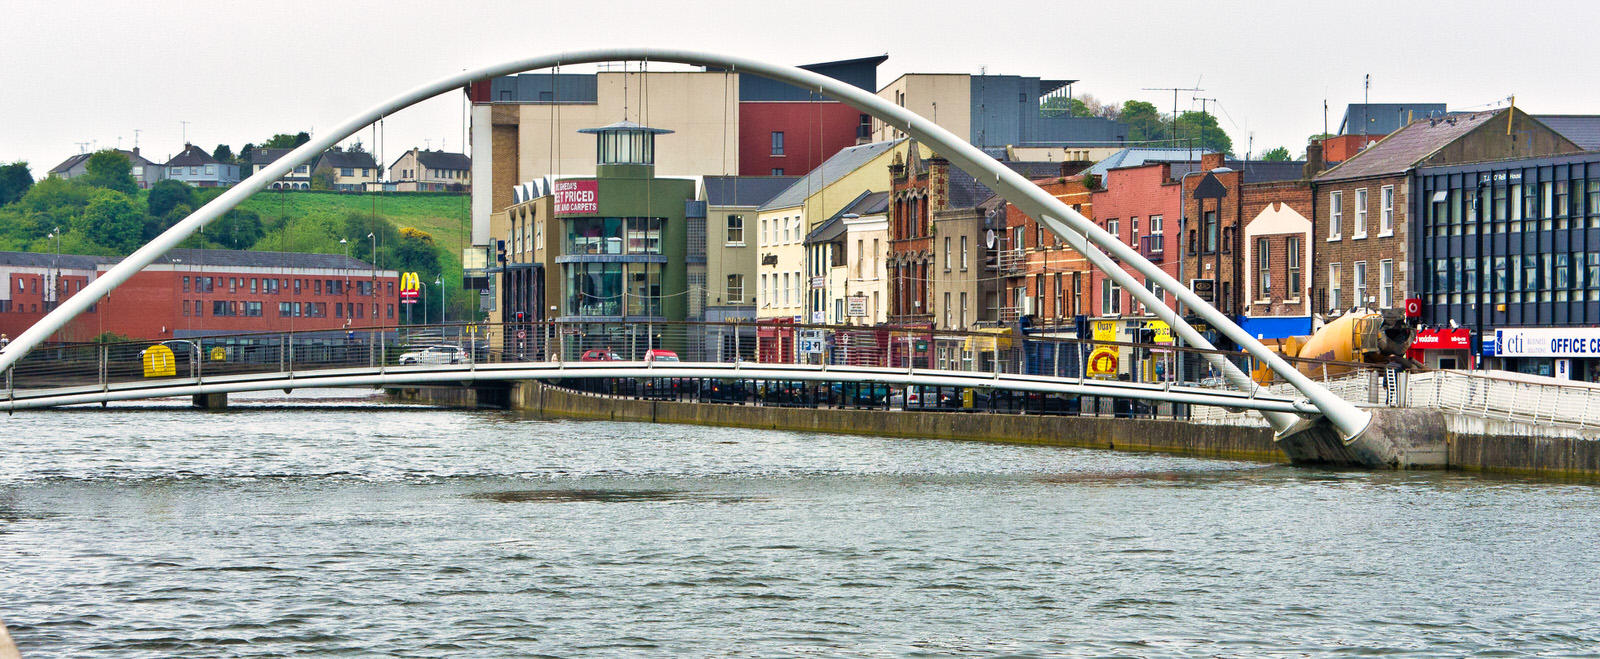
(197,168)
(419,170)
(298,178)
(353,170)
(145,173)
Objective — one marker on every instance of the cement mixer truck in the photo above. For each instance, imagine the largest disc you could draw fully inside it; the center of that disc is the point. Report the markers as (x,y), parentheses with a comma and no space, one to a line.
(1360,335)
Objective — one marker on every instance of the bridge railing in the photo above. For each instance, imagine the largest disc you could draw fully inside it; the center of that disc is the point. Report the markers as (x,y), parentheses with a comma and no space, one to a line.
(983,350)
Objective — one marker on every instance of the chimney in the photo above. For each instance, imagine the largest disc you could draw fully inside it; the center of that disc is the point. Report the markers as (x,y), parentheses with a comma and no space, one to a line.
(1210,161)
(1314,164)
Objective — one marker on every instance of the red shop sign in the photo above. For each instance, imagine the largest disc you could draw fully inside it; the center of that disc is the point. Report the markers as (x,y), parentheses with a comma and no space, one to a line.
(1443,339)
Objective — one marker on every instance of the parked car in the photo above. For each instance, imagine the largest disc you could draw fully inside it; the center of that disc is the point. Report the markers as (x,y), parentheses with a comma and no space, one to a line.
(436,355)
(722,391)
(659,355)
(599,355)
(858,393)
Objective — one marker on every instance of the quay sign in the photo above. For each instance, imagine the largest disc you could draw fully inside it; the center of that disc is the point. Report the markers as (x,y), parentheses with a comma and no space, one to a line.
(580,196)
(1548,342)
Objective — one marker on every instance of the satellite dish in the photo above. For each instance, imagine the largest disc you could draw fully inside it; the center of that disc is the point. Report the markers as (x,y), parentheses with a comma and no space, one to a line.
(989,240)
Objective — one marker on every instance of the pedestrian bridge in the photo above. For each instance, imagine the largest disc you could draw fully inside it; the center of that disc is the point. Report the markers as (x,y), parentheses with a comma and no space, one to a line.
(993,360)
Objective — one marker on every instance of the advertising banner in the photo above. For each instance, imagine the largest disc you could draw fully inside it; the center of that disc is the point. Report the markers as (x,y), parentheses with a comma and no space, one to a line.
(1548,342)
(577,197)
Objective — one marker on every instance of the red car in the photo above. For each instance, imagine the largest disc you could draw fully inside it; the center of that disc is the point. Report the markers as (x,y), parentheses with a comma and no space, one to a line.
(599,355)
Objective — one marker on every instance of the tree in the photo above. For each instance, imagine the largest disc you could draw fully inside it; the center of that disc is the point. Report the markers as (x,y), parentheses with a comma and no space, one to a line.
(1279,154)
(15,179)
(113,220)
(169,193)
(110,170)
(356,228)
(238,229)
(279,141)
(322,178)
(416,252)
(301,138)
(222,153)
(1145,123)
(1203,128)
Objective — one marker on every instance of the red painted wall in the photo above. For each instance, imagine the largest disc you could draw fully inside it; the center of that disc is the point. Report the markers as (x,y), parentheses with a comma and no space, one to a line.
(1138,192)
(801,123)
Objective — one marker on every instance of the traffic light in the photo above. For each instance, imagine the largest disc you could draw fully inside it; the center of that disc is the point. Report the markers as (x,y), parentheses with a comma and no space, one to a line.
(500,251)
(519,316)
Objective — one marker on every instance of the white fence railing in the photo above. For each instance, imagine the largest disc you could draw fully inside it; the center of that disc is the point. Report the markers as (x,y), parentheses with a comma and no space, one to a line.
(1506,397)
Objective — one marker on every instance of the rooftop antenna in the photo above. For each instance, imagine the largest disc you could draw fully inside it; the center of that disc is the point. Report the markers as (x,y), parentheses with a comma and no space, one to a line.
(185,131)
(1174,132)
(427,144)
(1366,98)
(83,147)
(136,132)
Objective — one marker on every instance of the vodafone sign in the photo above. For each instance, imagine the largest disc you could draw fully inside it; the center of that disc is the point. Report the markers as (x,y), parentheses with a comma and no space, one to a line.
(577,197)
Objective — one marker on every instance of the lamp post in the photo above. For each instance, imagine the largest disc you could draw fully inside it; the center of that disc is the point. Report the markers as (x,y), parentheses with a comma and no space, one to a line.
(440,281)
(55,283)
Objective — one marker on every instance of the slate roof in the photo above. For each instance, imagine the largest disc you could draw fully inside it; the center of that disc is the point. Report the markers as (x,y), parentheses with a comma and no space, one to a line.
(745,190)
(48,260)
(866,203)
(842,163)
(1406,147)
(873,204)
(250,259)
(442,160)
(1582,129)
(191,156)
(133,158)
(1255,171)
(1135,156)
(1385,118)
(263,156)
(353,159)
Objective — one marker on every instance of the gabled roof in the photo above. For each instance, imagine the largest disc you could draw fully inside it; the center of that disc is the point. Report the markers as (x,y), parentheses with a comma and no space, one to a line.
(353,159)
(847,160)
(133,158)
(191,156)
(442,160)
(264,156)
(745,190)
(1406,147)
(1136,156)
(1255,171)
(1582,129)
(866,203)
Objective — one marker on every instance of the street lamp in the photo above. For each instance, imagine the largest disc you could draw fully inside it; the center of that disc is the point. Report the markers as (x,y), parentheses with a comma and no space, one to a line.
(440,281)
(349,312)
(55,284)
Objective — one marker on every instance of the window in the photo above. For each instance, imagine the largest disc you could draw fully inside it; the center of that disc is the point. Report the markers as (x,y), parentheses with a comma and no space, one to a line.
(1133,231)
(1361,283)
(777,142)
(1210,238)
(1386,228)
(1386,280)
(1110,298)
(1264,270)
(1291,254)
(786,289)
(1361,214)
(764,292)
(947,258)
(252,309)
(963,253)
(185,307)
(963,309)
(1335,214)
(1114,228)
(735,289)
(777,171)
(1061,301)
(947,310)
(736,230)
(1334,287)
(186,287)
(786,224)
(766,237)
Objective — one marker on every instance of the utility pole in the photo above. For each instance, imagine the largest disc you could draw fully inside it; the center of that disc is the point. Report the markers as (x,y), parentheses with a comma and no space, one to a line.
(1203,114)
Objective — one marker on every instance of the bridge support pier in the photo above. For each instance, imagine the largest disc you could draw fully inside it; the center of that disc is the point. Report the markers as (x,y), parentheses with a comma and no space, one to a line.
(211,401)
(1398,438)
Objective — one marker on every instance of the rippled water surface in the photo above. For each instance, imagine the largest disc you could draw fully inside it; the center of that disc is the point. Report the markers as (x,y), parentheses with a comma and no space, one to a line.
(356,528)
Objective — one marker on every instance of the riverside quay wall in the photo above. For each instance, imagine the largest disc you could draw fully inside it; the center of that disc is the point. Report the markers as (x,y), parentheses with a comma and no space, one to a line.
(1401,438)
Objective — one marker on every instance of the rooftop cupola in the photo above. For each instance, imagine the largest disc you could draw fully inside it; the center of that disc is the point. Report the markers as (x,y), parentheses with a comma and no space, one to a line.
(625,143)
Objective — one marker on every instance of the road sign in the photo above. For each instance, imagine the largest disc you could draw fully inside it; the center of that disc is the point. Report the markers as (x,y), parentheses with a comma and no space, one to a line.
(813,346)
(856,306)
(522,334)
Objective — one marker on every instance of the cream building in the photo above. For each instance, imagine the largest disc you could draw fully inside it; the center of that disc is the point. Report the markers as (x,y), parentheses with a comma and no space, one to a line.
(782,224)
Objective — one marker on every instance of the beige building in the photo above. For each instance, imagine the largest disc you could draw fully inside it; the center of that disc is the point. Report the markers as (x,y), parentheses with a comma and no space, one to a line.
(431,171)
(528,128)
(866,239)
(945,98)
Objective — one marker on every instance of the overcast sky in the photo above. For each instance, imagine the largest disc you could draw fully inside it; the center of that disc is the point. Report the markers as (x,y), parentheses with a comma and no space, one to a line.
(239,72)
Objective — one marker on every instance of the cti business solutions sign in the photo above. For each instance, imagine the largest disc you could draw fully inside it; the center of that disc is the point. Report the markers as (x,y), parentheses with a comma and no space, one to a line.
(577,197)
(1548,342)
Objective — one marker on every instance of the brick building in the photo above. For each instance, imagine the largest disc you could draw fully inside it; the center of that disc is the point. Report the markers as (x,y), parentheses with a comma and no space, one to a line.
(191,292)
(1361,205)
(1042,277)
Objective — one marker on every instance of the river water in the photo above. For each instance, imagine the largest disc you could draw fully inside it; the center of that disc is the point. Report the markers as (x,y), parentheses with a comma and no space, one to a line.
(351,527)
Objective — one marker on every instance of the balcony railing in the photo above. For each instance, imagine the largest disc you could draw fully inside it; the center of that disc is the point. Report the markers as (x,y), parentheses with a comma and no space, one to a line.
(1010,262)
(1152,247)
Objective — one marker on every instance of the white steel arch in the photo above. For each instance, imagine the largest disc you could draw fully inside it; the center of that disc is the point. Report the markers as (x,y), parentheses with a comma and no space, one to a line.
(1076,230)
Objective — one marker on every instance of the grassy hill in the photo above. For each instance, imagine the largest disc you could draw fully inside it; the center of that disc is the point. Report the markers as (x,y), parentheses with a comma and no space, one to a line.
(446,216)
